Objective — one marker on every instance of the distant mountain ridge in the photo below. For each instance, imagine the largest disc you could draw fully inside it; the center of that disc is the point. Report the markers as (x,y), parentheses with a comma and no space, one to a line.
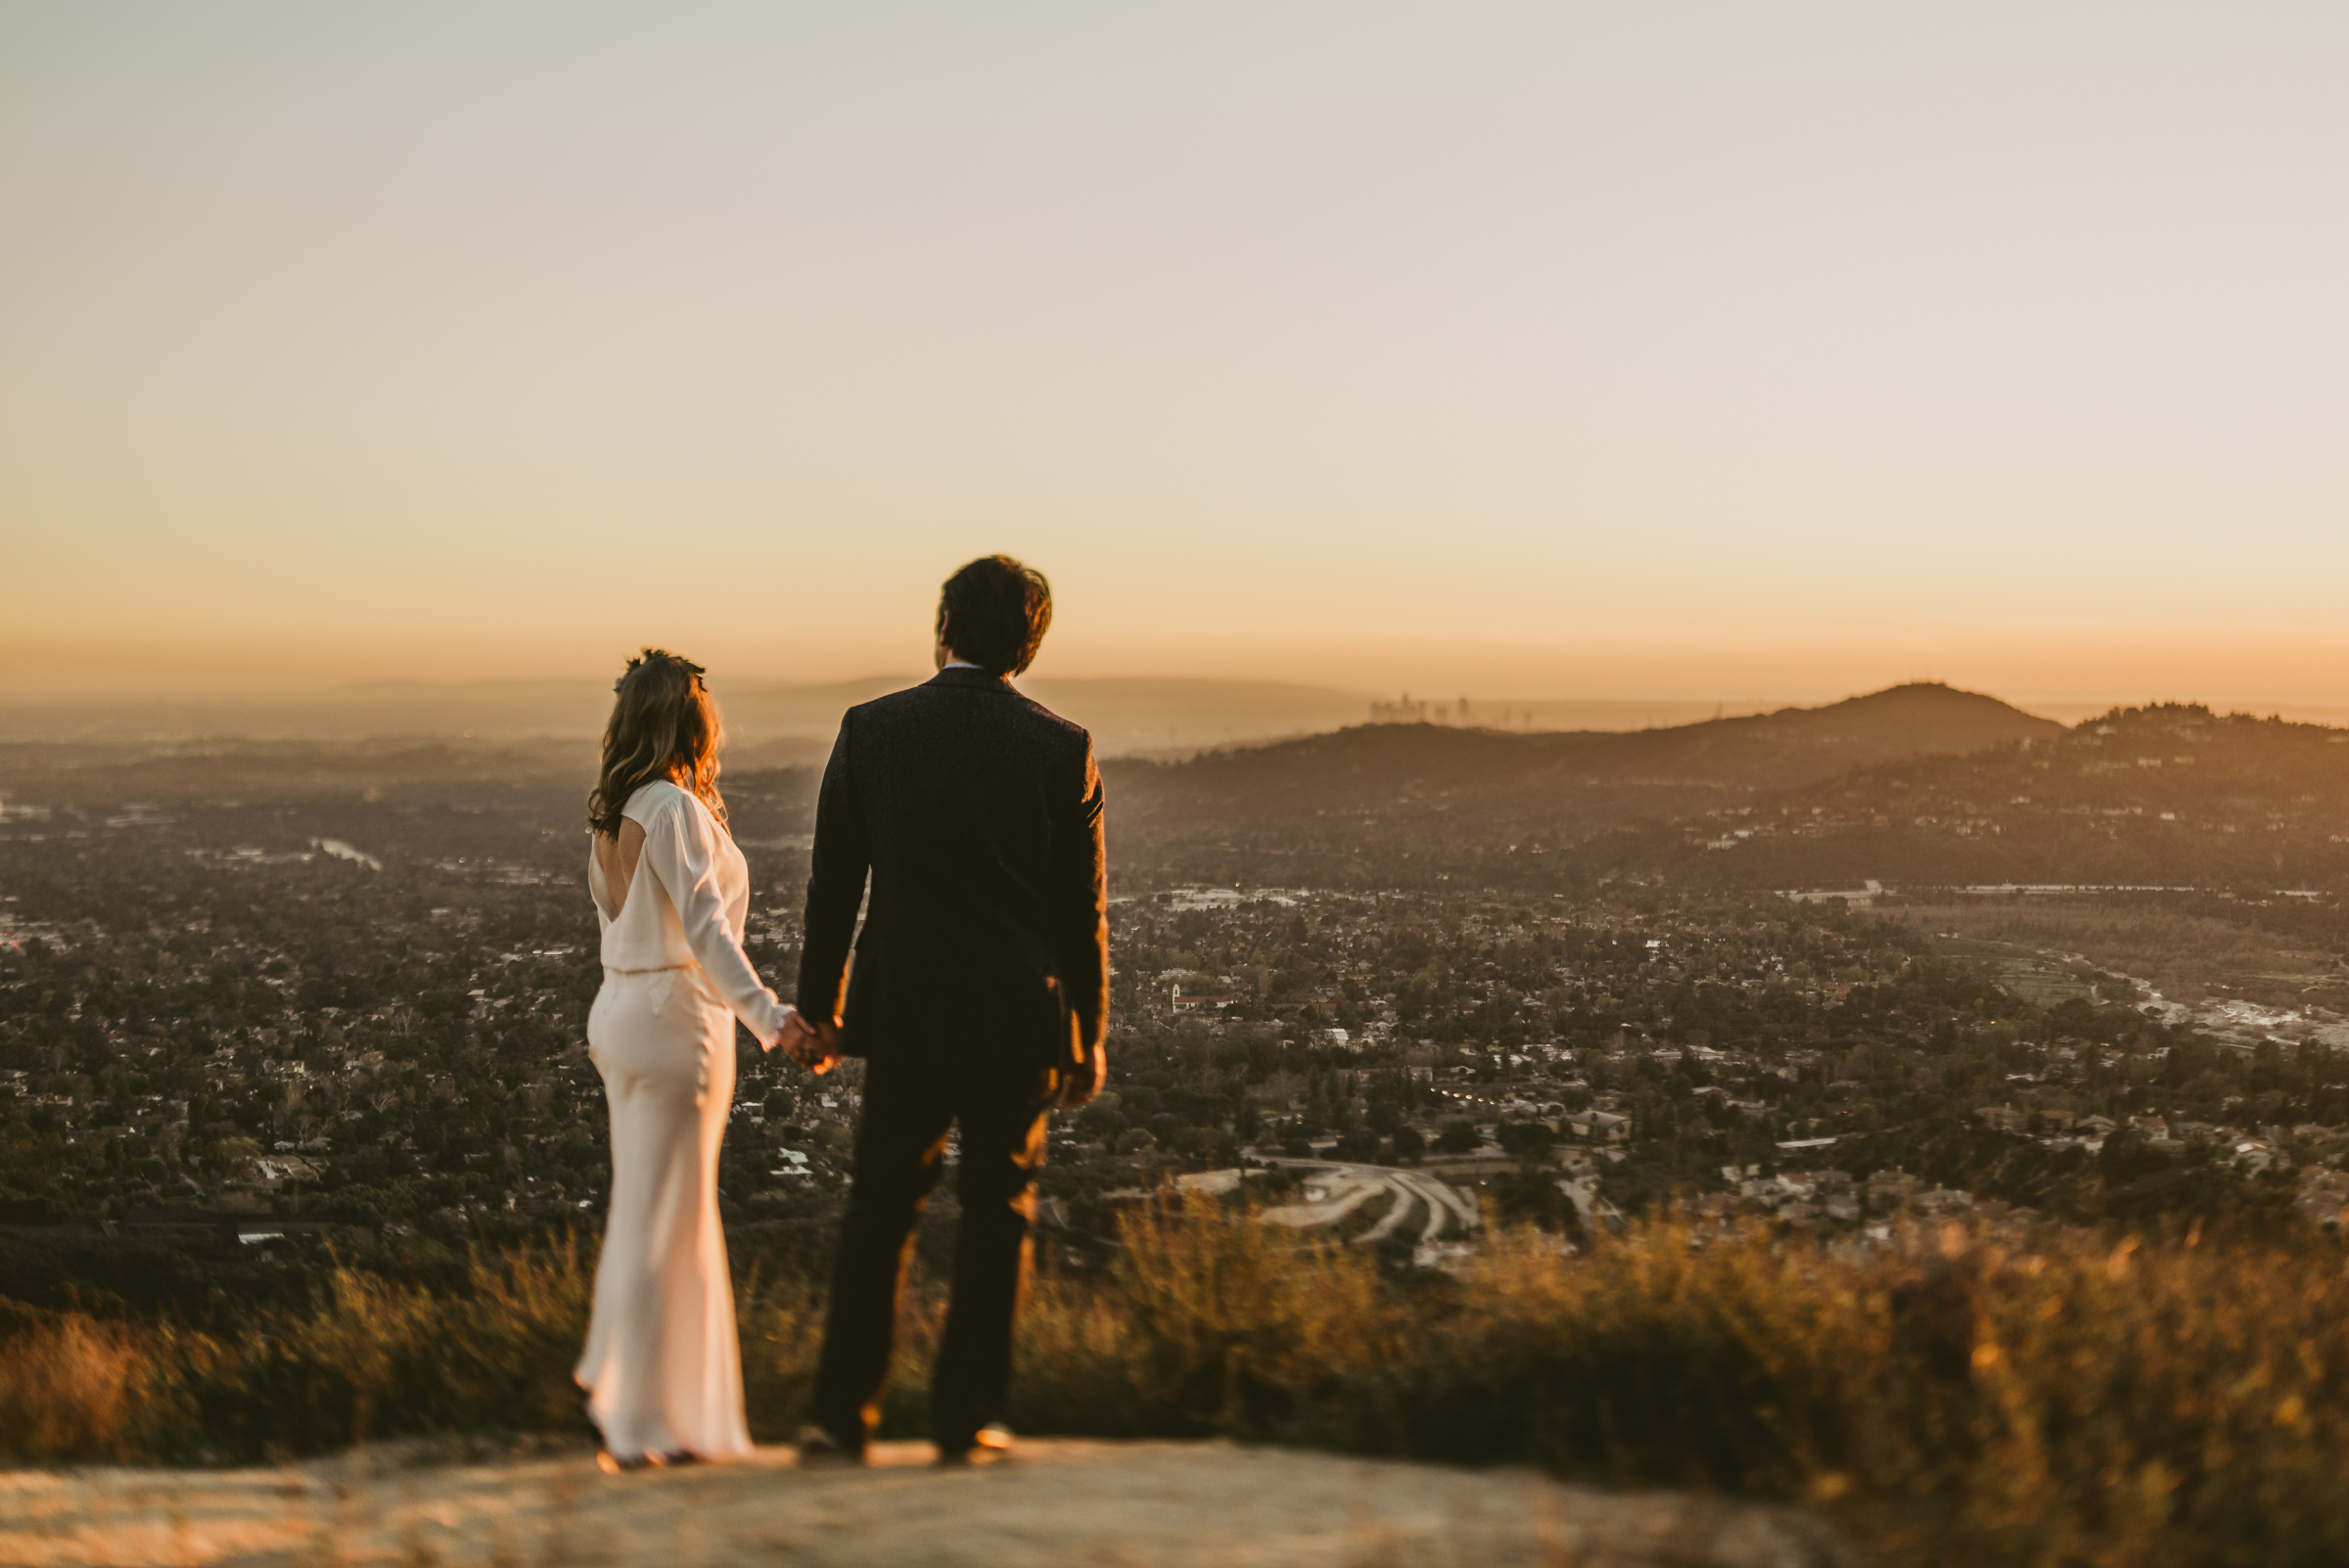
(1558,783)
(2169,794)
(1919,785)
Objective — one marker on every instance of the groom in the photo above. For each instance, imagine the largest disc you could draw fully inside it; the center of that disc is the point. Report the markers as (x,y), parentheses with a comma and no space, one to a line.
(980,993)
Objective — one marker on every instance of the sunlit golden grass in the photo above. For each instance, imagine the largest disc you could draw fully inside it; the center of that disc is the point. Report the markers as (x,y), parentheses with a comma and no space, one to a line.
(371,1359)
(1953,1399)
(67,1387)
(1210,1327)
(2074,1401)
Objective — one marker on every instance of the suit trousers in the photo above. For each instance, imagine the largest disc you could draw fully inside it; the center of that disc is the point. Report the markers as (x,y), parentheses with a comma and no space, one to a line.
(910,1104)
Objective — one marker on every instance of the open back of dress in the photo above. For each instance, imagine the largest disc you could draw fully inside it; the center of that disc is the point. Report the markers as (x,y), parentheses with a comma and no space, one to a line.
(660,1366)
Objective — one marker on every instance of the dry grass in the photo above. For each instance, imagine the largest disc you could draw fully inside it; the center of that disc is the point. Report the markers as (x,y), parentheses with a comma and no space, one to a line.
(1954,1401)
(1211,1328)
(67,1390)
(1957,1400)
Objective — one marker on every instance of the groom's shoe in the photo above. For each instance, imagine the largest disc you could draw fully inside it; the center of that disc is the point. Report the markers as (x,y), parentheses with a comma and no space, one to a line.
(820,1450)
(989,1445)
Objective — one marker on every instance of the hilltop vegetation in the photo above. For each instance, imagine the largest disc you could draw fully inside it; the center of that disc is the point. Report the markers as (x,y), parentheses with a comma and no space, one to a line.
(1951,1399)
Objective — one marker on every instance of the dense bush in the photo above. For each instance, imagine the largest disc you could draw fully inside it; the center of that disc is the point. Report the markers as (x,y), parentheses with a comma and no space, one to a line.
(1953,1399)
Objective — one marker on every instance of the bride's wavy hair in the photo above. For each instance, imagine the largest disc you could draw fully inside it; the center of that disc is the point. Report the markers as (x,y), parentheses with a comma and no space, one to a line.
(663,725)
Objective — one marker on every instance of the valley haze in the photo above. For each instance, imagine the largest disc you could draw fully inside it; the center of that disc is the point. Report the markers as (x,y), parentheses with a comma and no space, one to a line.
(1164,717)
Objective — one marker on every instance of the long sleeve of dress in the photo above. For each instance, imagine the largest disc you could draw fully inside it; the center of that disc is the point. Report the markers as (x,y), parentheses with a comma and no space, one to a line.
(836,877)
(682,849)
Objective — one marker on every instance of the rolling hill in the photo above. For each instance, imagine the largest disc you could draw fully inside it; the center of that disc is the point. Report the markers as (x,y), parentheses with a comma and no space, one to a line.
(1404,789)
(2171,795)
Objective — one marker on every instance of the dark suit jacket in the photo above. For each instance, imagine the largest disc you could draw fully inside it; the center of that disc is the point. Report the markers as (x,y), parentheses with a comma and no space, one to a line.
(977,815)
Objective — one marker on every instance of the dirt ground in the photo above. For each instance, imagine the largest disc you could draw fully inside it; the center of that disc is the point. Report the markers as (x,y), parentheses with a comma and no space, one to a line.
(1128,1504)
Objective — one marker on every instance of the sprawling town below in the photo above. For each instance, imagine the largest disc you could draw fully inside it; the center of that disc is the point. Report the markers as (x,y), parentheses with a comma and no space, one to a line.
(249,1016)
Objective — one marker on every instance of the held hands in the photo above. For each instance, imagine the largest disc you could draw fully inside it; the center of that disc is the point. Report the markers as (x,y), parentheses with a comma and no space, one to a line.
(813,1044)
(1078,1086)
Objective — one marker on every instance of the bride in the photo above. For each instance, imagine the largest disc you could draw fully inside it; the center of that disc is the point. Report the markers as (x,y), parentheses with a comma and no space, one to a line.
(661,1368)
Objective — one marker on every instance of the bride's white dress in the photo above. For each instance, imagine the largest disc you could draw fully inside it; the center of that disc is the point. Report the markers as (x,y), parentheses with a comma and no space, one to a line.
(661,1368)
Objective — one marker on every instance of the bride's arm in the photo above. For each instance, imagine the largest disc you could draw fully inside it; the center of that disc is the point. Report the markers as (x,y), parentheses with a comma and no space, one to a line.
(682,848)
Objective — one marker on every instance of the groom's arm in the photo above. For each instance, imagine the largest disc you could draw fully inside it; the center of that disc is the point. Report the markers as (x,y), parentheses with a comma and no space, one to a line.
(1081,891)
(836,876)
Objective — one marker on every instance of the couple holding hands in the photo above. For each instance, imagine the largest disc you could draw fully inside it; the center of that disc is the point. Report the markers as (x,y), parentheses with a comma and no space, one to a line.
(977,1000)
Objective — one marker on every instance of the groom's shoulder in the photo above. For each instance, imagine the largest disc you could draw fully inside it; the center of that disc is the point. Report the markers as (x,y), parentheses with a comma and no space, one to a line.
(1044,718)
(1046,734)
(915,704)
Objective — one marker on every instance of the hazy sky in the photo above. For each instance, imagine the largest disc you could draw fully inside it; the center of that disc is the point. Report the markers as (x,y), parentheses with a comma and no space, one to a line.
(1631,350)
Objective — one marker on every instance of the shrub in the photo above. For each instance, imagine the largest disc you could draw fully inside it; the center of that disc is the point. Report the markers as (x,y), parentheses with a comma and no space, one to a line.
(1952,1399)
(1456,1137)
(70,1389)
(1222,1328)
(1528,1140)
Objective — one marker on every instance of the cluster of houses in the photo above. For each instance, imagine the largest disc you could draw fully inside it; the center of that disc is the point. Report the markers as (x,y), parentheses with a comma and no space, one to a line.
(2247,1150)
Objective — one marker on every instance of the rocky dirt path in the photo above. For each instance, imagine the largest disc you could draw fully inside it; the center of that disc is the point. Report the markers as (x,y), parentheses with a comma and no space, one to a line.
(1118,1505)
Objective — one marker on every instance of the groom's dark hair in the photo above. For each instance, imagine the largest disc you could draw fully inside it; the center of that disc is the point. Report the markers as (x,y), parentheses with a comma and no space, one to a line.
(994,612)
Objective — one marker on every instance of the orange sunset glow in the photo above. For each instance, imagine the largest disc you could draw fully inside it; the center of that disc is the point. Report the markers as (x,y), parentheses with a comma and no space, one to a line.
(1548,354)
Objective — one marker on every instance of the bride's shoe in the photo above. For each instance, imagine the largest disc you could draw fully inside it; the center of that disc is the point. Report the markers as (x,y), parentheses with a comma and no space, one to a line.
(611,1463)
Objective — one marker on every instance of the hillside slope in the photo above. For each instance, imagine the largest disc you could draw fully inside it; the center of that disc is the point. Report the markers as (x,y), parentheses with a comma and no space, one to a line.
(1419,789)
(2165,795)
